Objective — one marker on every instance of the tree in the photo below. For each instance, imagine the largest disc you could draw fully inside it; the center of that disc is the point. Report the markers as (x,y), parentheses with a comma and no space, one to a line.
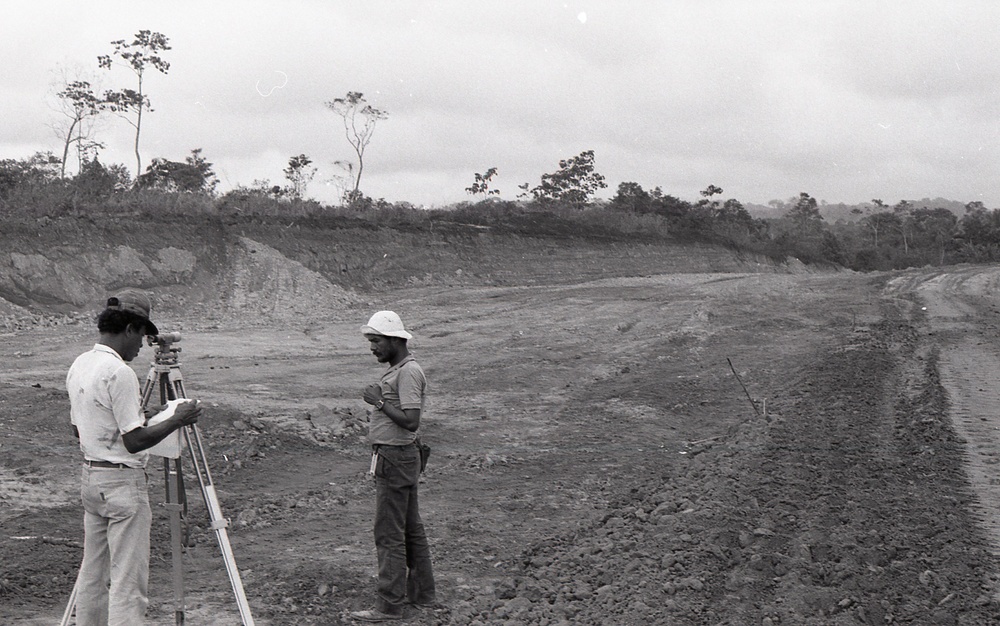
(710,191)
(575,182)
(729,219)
(482,184)
(139,55)
(879,223)
(299,175)
(978,226)
(732,213)
(195,175)
(975,207)
(801,232)
(670,207)
(876,221)
(81,107)
(805,214)
(96,181)
(904,210)
(359,119)
(36,171)
(702,213)
(207,176)
(343,180)
(631,197)
(933,228)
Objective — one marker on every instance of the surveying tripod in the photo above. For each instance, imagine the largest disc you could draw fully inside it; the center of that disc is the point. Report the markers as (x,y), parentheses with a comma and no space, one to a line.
(165,375)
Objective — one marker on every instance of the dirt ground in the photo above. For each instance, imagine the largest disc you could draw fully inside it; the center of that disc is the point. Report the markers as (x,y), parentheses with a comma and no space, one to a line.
(704,449)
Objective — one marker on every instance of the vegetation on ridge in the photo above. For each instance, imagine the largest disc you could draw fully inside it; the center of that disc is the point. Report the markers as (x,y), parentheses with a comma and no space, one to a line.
(882,237)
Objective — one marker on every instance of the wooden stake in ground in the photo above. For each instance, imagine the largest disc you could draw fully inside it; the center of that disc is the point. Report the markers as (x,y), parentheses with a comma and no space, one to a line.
(752,403)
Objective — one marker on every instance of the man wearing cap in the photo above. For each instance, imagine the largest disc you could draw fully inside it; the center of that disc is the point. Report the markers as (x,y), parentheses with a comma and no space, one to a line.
(108,419)
(404,557)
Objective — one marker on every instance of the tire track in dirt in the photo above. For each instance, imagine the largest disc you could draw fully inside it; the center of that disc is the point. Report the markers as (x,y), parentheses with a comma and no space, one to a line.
(959,312)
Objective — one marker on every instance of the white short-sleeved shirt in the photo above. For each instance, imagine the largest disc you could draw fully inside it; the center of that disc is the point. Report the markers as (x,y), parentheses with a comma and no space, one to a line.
(105,403)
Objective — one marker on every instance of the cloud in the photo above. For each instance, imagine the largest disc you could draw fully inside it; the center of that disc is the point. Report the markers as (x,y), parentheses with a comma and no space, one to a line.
(846,100)
(921,51)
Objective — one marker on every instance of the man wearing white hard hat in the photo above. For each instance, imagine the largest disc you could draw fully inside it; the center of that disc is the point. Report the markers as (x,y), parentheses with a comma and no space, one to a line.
(405,575)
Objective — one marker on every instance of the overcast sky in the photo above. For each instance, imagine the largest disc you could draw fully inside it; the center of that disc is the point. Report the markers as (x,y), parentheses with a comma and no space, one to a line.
(846,101)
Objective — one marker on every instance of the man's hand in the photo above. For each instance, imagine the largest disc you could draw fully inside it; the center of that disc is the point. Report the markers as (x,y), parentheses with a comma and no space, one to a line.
(143,438)
(149,412)
(187,412)
(373,393)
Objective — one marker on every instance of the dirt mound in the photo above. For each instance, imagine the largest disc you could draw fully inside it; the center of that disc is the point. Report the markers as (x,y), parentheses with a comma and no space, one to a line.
(262,286)
(225,275)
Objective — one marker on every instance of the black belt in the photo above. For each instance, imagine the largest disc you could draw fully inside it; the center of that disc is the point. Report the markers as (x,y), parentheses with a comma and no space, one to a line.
(106,464)
(376,446)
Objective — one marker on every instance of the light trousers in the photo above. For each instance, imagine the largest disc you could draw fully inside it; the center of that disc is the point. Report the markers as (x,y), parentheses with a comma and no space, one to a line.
(113,580)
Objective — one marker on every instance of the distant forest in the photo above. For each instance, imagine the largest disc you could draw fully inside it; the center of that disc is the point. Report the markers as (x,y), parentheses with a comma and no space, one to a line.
(834,212)
(866,237)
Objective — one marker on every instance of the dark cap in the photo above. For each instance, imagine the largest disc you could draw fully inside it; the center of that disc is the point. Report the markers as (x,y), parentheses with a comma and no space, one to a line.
(137,302)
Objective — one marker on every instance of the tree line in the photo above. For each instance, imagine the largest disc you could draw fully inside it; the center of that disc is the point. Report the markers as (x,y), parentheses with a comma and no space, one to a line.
(879,237)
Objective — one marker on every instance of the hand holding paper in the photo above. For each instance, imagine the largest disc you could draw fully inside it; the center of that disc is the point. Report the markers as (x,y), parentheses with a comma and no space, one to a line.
(184,409)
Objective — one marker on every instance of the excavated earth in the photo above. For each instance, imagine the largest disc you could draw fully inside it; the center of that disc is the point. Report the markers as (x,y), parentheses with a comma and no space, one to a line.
(623,432)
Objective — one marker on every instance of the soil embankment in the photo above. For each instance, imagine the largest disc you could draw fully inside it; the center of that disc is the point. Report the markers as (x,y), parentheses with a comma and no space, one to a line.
(261,270)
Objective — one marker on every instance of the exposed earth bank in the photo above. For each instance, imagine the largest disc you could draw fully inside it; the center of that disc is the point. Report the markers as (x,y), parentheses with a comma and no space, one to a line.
(623,433)
(263,269)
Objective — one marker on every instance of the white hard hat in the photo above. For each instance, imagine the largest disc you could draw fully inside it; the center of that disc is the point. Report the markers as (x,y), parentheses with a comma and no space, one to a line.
(385,323)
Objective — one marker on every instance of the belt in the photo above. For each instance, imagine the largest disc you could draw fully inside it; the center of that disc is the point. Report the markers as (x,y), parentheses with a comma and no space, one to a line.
(376,446)
(106,464)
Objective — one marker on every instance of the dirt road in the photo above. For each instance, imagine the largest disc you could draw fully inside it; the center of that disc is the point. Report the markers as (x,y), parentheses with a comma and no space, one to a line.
(962,313)
(596,460)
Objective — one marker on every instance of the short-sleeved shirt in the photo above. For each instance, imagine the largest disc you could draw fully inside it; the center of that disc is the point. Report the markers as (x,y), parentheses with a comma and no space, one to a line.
(105,403)
(403,386)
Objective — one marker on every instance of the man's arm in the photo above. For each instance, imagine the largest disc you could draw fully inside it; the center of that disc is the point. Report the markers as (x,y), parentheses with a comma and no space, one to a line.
(145,437)
(404,418)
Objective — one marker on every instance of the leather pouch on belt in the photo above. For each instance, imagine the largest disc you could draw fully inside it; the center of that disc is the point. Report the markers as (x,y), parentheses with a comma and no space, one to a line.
(425,453)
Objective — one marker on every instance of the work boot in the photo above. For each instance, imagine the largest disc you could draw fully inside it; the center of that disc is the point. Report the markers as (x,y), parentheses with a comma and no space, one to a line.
(371,615)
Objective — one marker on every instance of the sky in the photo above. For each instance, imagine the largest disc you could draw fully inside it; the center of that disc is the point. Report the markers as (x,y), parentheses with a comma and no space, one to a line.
(844,100)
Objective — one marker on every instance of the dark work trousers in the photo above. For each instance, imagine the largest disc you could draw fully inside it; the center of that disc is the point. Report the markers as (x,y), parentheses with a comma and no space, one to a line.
(404,557)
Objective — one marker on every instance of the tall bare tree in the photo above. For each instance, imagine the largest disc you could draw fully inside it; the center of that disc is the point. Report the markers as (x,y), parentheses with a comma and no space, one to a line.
(80,107)
(138,56)
(359,119)
(343,179)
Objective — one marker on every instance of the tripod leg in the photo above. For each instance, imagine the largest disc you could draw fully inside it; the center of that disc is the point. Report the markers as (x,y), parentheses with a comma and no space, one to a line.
(174,508)
(148,386)
(219,523)
(70,607)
